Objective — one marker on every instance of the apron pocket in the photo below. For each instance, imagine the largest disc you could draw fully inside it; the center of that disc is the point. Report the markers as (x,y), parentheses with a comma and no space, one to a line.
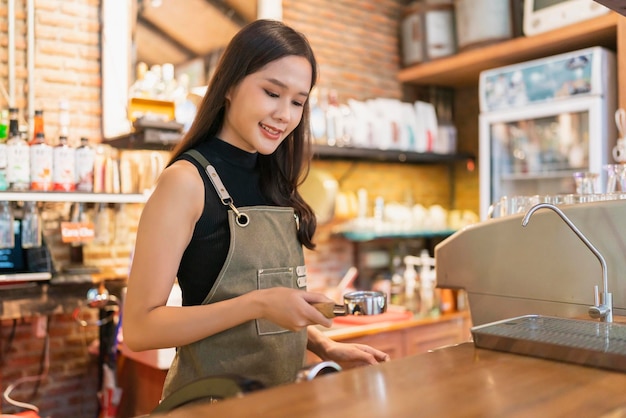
(266,279)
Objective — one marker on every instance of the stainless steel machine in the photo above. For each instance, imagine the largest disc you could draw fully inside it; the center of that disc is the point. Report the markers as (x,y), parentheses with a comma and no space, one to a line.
(547,287)
(544,268)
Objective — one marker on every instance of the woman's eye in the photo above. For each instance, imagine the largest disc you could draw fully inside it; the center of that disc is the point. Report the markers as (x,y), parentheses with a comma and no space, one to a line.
(299,104)
(269,93)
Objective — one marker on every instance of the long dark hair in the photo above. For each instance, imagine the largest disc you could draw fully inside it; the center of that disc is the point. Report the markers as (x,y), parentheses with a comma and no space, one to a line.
(256,45)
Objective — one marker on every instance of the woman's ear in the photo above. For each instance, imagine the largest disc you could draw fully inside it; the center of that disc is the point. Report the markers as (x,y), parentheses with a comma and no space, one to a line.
(228,94)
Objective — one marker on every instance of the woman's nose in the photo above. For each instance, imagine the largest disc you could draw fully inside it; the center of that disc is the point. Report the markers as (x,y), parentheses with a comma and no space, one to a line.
(282,112)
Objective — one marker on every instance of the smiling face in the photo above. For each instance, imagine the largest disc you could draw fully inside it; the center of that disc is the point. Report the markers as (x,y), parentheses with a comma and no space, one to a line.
(266,106)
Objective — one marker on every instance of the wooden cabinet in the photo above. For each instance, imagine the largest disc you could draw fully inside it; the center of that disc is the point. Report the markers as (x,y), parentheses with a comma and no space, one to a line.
(463,69)
(391,342)
(436,335)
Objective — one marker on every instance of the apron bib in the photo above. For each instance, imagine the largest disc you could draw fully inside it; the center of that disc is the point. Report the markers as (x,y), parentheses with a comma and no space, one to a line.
(264,252)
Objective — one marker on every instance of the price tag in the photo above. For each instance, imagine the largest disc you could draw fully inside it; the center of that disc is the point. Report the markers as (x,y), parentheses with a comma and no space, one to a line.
(77,232)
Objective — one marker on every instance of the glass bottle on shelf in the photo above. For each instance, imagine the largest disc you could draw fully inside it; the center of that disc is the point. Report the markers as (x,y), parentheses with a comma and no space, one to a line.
(85,159)
(37,126)
(64,166)
(7,235)
(31,226)
(41,163)
(18,156)
(4,127)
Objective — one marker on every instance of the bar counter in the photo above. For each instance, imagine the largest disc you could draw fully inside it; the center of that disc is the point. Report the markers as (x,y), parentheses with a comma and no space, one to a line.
(452,381)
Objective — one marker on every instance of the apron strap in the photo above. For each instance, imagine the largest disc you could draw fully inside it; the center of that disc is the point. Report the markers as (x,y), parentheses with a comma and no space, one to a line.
(242,218)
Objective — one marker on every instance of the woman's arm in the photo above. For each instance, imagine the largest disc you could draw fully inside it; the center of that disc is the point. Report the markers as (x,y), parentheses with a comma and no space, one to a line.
(165,229)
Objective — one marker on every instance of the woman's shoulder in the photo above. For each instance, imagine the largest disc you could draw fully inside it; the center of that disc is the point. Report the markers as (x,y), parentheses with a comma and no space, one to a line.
(181,175)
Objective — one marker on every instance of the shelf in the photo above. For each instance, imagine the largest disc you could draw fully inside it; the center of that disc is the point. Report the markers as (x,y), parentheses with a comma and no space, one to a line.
(563,174)
(324,152)
(463,69)
(73,197)
(361,236)
(617,5)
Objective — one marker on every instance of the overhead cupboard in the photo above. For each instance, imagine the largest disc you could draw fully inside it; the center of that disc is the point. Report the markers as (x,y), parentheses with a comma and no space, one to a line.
(463,69)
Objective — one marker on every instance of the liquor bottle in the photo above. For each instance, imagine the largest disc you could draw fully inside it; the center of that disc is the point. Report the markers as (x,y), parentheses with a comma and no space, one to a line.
(64,166)
(4,127)
(18,156)
(41,164)
(85,159)
(37,126)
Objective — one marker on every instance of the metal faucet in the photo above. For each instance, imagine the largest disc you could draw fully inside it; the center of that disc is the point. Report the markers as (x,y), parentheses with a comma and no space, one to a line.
(603,306)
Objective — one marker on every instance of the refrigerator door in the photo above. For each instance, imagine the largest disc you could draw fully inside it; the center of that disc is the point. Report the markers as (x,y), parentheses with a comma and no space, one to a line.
(537,149)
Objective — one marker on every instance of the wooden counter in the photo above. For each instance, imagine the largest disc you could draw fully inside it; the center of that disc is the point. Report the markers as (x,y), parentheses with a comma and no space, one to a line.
(451,382)
(142,382)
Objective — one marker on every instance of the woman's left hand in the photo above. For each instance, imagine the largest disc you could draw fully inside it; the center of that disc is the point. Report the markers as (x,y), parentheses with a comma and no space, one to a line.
(349,355)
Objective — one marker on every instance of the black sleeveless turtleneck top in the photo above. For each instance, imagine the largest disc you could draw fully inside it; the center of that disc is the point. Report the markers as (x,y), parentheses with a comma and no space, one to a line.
(205,255)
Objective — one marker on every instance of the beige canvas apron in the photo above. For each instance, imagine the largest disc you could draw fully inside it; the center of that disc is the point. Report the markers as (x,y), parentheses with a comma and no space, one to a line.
(264,252)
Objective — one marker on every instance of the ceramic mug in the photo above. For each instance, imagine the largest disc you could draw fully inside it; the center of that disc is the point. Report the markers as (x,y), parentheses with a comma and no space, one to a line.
(619,150)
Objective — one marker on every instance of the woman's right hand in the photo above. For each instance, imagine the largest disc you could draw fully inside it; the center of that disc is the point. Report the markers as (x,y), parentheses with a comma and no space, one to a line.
(291,308)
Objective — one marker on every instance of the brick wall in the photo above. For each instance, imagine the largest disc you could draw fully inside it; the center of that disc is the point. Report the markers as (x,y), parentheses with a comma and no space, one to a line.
(67,64)
(69,388)
(355,43)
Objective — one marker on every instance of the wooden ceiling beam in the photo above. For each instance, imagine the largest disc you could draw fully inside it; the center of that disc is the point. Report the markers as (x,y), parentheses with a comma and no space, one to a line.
(149,25)
(229,12)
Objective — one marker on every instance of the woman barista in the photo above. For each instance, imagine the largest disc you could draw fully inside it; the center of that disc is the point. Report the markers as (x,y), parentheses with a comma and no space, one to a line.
(227,220)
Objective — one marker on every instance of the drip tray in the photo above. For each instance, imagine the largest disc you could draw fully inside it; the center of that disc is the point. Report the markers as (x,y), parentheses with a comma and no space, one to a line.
(589,343)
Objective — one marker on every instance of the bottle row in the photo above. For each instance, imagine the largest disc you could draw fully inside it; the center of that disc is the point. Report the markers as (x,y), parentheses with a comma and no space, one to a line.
(36,165)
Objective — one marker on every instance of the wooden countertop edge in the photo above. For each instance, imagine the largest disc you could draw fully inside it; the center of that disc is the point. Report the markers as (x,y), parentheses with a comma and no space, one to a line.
(459,380)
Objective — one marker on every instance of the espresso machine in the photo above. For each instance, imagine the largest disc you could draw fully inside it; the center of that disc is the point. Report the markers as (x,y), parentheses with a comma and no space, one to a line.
(542,268)
(546,283)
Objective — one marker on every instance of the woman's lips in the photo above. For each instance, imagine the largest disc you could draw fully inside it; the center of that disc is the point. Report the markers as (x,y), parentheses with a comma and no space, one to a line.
(270,132)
